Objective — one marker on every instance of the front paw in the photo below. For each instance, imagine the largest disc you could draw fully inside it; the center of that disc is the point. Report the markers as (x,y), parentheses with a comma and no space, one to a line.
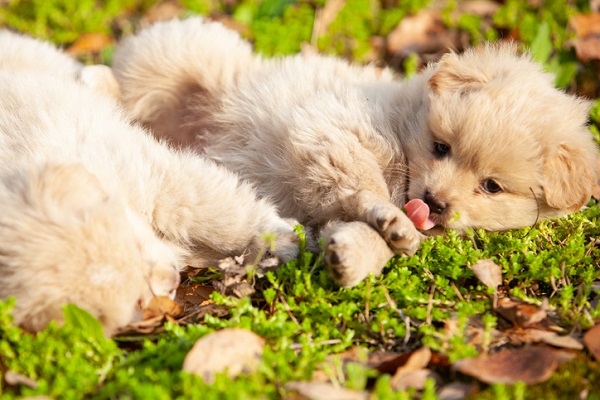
(353,251)
(395,227)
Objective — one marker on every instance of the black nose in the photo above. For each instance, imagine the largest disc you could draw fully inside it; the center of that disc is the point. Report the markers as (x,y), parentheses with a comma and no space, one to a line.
(436,204)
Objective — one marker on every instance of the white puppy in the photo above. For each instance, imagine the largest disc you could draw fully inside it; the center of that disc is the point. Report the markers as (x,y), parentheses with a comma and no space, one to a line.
(483,139)
(93,210)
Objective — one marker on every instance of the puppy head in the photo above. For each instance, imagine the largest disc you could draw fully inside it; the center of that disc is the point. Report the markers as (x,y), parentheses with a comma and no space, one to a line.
(501,147)
(65,240)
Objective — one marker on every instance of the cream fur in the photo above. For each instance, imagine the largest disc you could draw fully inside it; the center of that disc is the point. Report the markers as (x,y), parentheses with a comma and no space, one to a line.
(96,212)
(328,141)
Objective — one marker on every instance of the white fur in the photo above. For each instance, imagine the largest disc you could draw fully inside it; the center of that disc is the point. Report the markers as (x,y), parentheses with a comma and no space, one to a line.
(94,211)
(329,141)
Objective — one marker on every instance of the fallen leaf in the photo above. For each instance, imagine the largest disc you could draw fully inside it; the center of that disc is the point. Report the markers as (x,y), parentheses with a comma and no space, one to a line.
(90,43)
(522,314)
(155,325)
(322,391)
(488,272)
(526,364)
(196,314)
(587,30)
(423,32)
(585,24)
(592,341)
(481,8)
(235,275)
(144,327)
(456,391)
(193,295)
(13,378)
(519,336)
(587,48)
(418,360)
(162,11)
(474,333)
(413,373)
(387,363)
(160,306)
(415,380)
(233,350)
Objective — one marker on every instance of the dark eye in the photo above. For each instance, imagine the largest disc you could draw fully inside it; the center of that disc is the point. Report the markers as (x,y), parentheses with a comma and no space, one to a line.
(491,186)
(440,149)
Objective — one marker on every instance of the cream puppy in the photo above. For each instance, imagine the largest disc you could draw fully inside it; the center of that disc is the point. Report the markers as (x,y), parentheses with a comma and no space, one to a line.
(483,138)
(93,210)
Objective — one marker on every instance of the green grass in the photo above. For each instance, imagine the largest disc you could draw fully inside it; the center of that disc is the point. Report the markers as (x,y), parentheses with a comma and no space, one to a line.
(305,318)
(302,315)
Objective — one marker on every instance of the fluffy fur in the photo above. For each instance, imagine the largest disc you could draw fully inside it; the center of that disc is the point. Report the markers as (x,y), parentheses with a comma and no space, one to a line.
(483,137)
(93,210)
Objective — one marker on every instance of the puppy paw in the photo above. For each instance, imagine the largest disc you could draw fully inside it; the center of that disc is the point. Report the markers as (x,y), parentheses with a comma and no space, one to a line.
(286,246)
(395,227)
(284,241)
(354,250)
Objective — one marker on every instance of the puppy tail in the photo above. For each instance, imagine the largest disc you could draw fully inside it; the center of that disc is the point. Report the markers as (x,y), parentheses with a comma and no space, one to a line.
(172,74)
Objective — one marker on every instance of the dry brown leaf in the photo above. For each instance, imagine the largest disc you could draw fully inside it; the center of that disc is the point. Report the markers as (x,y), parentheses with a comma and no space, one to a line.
(585,24)
(592,341)
(193,295)
(474,332)
(413,373)
(162,11)
(456,391)
(488,272)
(481,8)
(423,32)
(196,314)
(527,364)
(13,378)
(233,350)
(522,314)
(587,49)
(90,43)
(160,306)
(520,336)
(144,327)
(413,380)
(386,362)
(417,361)
(322,391)
(587,29)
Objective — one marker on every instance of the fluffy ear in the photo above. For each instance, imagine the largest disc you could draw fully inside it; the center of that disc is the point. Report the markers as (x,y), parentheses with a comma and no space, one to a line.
(452,75)
(69,185)
(569,177)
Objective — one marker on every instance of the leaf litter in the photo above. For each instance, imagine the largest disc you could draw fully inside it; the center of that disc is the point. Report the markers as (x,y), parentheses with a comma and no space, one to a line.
(231,350)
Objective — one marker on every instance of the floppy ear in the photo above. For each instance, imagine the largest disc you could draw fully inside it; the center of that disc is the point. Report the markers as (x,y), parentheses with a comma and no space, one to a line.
(452,75)
(568,179)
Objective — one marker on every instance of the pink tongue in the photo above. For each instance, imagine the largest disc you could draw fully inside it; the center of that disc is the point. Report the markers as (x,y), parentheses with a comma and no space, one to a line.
(418,212)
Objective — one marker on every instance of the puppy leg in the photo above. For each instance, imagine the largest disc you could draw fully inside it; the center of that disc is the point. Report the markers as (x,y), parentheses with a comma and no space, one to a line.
(209,211)
(353,250)
(394,226)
